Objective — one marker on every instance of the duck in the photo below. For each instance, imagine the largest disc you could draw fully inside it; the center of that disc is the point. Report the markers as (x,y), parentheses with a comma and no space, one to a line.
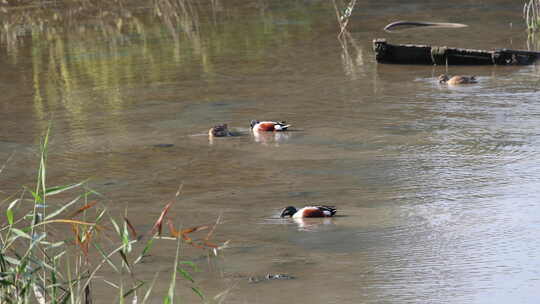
(309,211)
(269,125)
(457,79)
(219,131)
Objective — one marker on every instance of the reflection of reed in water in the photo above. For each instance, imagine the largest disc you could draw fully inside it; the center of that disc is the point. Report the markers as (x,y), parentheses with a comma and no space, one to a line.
(216,7)
(179,13)
(113,20)
(89,56)
(183,15)
(531,14)
(533,42)
(351,53)
(343,13)
(92,39)
(49,22)
(351,58)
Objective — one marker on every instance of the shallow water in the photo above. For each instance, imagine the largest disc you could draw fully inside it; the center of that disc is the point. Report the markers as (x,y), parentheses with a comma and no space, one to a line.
(435,185)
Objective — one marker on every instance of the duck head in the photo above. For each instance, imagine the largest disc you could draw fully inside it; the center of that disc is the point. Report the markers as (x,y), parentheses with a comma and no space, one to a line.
(253,123)
(220,130)
(443,78)
(288,211)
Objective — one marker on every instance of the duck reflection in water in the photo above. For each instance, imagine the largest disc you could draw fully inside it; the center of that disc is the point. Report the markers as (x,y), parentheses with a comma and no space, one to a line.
(268,138)
(313,224)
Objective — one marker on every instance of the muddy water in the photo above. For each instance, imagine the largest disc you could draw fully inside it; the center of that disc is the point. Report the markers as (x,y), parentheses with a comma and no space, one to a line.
(436,186)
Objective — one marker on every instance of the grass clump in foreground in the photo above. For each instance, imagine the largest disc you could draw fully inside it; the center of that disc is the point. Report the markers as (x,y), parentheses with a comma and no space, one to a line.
(42,262)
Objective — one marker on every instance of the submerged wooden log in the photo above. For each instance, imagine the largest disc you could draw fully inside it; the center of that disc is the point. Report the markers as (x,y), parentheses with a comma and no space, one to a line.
(427,54)
(394,25)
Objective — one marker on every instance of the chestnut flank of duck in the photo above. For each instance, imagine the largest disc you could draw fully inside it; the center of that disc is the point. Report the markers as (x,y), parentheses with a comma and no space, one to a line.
(309,211)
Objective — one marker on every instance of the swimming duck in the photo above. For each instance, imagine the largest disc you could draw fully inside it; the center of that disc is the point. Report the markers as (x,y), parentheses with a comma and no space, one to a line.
(219,131)
(309,211)
(457,79)
(269,125)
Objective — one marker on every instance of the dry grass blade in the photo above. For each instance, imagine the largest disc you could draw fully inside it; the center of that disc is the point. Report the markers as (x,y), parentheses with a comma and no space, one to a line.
(83,208)
(105,259)
(202,243)
(220,297)
(87,295)
(131,228)
(210,245)
(69,222)
(214,246)
(213,228)
(175,233)
(184,233)
(82,241)
(194,229)
(125,259)
(6,162)
(150,288)
(158,226)
(179,190)
(39,294)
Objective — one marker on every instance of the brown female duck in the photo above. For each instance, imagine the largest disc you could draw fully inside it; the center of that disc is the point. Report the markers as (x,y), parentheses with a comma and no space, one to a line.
(219,131)
(457,79)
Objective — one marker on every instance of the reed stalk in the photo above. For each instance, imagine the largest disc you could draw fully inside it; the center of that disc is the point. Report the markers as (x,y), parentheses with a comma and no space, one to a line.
(41,263)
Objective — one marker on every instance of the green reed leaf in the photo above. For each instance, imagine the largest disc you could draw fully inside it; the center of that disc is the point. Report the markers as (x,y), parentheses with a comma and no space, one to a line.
(61,209)
(185,274)
(59,189)
(132,290)
(106,258)
(145,250)
(21,233)
(9,211)
(190,263)
(9,215)
(198,292)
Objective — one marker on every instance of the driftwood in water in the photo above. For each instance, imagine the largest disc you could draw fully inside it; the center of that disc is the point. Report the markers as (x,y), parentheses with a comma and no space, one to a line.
(394,25)
(426,54)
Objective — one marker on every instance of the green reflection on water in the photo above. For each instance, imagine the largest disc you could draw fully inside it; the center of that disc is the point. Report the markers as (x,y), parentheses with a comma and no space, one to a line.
(83,54)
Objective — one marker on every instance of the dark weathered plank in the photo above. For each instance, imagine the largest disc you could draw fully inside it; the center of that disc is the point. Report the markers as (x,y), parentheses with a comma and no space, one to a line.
(427,54)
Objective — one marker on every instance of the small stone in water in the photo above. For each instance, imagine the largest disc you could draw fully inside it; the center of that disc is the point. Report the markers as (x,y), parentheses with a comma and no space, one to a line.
(164,145)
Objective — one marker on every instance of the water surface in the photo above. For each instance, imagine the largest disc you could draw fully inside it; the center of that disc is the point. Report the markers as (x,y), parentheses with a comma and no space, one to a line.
(435,185)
